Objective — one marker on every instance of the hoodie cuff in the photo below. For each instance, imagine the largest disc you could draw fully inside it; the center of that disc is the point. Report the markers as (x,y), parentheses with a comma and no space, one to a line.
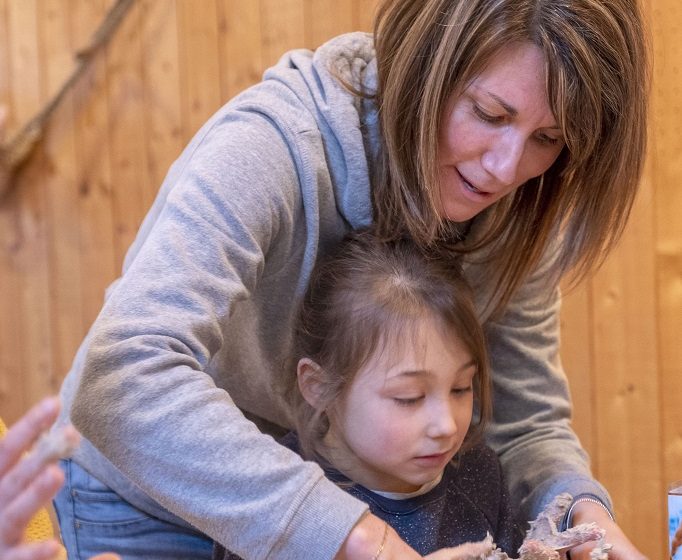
(567,521)
(320,524)
(575,485)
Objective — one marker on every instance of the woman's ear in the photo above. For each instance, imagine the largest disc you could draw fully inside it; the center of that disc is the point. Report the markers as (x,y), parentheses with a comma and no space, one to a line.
(309,375)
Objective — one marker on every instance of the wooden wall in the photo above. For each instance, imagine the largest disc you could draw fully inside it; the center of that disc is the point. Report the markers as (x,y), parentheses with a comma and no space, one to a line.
(75,209)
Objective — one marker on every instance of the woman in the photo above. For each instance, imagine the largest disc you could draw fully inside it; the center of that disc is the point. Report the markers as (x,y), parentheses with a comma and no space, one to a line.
(507,133)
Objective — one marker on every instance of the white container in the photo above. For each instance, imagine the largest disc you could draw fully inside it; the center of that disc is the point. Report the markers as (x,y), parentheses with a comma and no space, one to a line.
(675,520)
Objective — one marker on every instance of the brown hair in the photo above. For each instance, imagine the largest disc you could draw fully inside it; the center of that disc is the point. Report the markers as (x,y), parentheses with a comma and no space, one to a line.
(366,295)
(597,82)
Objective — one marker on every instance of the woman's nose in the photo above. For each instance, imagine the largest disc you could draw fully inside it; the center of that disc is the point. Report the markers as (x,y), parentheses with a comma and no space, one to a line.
(503,158)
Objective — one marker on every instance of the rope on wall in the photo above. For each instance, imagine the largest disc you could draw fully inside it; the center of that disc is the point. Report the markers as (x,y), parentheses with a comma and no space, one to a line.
(16,153)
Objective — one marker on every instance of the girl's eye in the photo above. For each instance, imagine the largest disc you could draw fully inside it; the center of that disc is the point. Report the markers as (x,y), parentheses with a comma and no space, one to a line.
(458,391)
(485,116)
(407,401)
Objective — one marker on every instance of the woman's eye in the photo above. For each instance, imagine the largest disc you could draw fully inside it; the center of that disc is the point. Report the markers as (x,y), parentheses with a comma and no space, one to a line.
(407,401)
(462,390)
(485,116)
(548,140)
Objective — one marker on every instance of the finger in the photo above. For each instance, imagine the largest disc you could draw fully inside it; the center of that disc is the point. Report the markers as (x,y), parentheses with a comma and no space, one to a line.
(582,552)
(24,433)
(48,450)
(56,444)
(17,514)
(106,557)
(46,550)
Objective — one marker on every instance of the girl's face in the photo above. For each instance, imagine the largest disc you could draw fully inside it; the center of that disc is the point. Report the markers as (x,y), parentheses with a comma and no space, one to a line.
(405,414)
(496,135)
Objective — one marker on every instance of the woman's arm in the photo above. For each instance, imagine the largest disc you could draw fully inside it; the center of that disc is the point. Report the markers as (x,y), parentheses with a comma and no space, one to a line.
(531,429)
(196,327)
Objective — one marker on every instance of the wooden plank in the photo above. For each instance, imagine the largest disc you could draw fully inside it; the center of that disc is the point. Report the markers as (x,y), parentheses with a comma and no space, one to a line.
(576,355)
(98,251)
(200,70)
(24,59)
(30,252)
(61,194)
(363,14)
(240,45)
(665,143)
(325,19)
(127,137)
(5,78)
(10,361)
(627,384)
(282,28)
(161,71)
(666,163)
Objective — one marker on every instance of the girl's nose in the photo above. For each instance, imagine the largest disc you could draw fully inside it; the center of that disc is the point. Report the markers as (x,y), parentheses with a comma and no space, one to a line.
(503,158)
(442,422)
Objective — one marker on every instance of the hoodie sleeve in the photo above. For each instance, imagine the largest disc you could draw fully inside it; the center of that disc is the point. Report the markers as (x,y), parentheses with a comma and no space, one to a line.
(145,400)
(531,429)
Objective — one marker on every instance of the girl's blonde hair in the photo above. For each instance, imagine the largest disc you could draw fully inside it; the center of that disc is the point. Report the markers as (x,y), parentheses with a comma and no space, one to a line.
(365,297)
(597,81)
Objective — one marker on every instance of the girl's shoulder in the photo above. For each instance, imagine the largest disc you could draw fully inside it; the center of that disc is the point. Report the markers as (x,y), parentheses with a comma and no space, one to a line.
(479,455)
(478,474)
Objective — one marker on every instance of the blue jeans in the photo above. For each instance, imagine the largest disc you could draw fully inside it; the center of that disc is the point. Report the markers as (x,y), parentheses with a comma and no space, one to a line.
(95,519)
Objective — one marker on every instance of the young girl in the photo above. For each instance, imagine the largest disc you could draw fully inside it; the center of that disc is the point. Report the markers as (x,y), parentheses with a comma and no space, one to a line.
(391,364)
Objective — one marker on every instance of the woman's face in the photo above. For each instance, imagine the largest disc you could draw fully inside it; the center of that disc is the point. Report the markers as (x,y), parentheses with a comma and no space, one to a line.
(499,133)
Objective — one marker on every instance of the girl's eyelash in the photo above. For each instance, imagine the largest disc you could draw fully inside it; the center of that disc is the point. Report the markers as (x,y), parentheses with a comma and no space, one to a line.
(407,402)
(462,390)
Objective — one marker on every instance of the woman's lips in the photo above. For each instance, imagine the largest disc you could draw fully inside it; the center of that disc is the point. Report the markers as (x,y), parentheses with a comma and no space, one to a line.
(471,188)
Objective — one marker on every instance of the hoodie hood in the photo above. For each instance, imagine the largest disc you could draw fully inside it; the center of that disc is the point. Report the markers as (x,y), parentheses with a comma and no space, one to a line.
(348,123)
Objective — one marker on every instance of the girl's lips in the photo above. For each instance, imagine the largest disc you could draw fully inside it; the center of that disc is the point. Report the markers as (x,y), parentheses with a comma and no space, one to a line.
(432,460)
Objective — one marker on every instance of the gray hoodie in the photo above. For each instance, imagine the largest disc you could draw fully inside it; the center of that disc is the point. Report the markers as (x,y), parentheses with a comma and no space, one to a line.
(199,326)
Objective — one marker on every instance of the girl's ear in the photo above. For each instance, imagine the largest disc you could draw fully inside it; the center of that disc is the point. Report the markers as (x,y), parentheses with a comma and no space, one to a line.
(310,383)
